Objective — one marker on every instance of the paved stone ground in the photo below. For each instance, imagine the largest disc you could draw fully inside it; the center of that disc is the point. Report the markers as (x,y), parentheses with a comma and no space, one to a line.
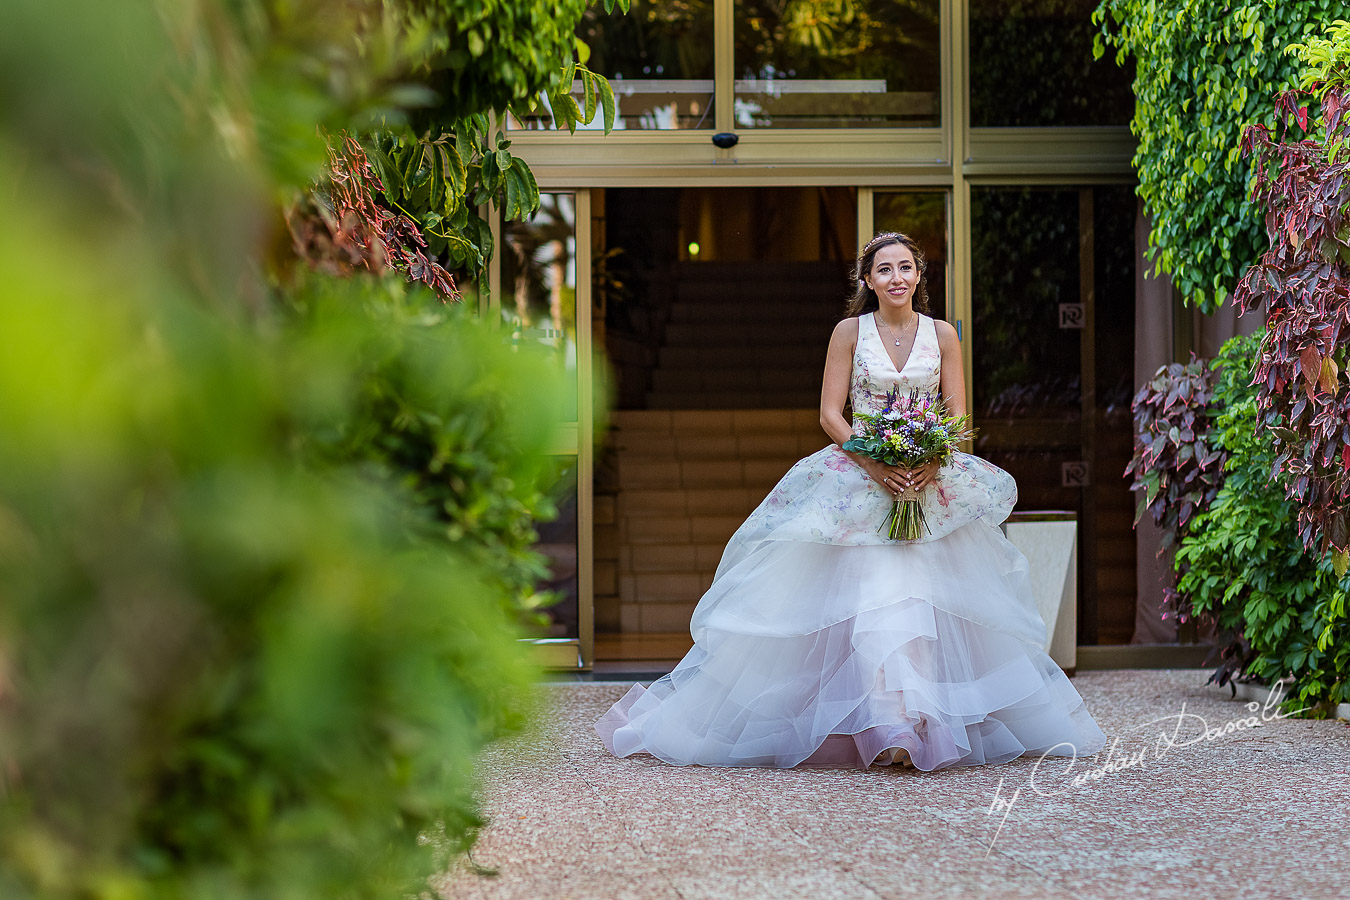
(1256,812)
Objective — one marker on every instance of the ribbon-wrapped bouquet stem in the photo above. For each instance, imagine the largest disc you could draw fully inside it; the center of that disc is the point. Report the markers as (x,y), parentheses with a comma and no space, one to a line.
(909,431)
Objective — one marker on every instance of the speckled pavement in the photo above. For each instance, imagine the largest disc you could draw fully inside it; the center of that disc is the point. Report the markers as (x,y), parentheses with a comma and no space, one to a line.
(1248,812)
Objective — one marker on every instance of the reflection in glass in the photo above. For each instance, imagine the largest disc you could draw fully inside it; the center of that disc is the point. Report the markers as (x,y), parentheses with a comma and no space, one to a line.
(1053,283)
(837,64)
(922,216)
(1025,259)
(659,60)
(539,277)
(558,542)
(1031,66)
(724,298)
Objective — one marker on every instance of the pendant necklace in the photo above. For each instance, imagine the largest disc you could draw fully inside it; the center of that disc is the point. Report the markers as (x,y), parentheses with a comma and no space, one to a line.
(888,328)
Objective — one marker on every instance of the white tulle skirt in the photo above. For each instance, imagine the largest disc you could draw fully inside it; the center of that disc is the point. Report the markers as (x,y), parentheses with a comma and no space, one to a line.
(810,652)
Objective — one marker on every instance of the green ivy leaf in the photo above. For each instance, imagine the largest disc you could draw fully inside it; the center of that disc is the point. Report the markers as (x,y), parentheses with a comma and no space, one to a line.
(588,93)
(529,187)
(411,164)
(490,174)
(437,196)
(608,107)
(453,166)
(385,168)
(513,209)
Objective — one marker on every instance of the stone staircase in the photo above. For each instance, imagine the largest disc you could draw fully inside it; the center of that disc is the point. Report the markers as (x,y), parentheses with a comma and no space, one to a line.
(686,480)
(747,335)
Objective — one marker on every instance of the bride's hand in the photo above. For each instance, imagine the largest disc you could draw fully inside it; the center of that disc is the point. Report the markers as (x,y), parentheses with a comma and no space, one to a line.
(919,478)
(892,478)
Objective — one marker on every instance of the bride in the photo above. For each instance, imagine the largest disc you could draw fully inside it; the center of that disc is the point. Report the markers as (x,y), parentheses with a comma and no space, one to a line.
(823,642)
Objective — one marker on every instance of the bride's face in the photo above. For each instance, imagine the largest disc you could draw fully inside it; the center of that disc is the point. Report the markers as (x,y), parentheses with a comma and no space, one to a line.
(894,275)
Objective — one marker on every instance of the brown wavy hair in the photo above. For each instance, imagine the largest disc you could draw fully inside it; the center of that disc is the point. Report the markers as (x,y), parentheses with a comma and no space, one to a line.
(864,299)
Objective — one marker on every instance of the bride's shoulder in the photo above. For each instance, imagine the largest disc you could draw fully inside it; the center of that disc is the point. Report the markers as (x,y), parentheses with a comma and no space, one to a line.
(948,340)
(846,330)
(945,330)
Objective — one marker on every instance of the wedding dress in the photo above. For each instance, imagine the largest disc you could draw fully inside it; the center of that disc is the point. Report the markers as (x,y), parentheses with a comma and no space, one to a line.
(823,642)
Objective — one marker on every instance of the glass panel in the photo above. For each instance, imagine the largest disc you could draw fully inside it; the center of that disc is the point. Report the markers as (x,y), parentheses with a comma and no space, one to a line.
(922,216)
(1024,265)
(1115,211)
(659,60)
(539,278)
(838,64)
(716,301)
(558,541)
(1031,66)
(723,298)
(1053,310)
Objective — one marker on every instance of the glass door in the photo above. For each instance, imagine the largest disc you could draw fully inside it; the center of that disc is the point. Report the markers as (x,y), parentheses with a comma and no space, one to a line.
(1053,360)
(541,293)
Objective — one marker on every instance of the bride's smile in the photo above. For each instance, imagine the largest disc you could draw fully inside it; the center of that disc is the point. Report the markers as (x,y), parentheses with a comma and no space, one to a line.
(893,277)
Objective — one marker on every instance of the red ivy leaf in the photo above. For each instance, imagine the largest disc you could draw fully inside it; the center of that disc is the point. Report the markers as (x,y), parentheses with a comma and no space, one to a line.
(1311,362)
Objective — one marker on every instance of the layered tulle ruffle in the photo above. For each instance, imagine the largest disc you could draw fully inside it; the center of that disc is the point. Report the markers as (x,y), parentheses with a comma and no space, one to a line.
(942,657)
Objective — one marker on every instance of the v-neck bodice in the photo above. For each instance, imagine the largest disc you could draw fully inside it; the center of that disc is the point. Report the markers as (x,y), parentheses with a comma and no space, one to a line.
(874,372)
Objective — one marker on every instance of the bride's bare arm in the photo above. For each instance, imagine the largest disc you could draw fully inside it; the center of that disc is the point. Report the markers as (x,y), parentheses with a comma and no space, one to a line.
(953,378)
(834,387)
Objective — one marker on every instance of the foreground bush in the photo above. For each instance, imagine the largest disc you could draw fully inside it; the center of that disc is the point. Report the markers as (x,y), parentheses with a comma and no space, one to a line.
(228,672)
(263,532)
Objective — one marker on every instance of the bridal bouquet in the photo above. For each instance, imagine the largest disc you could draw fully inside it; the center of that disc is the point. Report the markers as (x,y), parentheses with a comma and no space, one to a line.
(909,431)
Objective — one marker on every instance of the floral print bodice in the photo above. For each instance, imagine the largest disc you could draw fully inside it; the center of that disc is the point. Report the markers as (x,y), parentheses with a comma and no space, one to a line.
(829,498)
(874,372)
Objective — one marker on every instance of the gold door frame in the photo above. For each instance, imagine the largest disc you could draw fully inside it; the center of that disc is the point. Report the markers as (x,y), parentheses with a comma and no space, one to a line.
(575,438)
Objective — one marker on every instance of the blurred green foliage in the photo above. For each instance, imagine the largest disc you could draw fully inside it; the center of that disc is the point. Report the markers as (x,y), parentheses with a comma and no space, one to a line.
(1202,72)
(1279,609)
(442,158)
(264,532)
(462,425)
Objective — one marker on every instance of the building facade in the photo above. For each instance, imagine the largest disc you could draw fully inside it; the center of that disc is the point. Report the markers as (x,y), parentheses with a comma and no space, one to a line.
(689,266)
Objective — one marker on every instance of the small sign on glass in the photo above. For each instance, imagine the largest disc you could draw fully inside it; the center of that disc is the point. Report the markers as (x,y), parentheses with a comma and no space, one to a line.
(1075,474)
(1071,315)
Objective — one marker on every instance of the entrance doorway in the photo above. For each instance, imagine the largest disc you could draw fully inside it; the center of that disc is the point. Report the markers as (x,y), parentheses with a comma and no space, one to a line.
(717,304)
(713,308)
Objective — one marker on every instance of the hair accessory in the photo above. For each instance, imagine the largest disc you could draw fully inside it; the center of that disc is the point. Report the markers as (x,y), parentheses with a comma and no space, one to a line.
(879,238)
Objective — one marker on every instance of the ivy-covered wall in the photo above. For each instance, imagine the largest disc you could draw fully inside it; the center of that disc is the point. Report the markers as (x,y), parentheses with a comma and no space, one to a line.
(1202,72)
